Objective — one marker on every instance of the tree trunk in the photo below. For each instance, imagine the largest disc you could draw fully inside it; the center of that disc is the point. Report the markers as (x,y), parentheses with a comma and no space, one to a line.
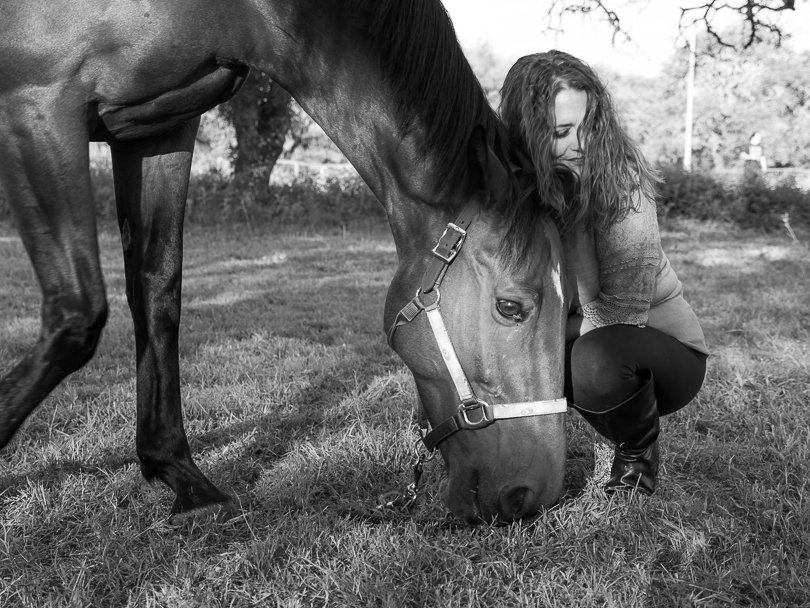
(261,118)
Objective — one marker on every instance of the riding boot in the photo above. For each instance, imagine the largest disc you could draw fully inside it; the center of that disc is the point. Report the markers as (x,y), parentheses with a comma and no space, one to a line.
(633,427)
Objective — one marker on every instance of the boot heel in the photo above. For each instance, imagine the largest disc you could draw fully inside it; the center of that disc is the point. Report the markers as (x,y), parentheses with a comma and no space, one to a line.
(634,470)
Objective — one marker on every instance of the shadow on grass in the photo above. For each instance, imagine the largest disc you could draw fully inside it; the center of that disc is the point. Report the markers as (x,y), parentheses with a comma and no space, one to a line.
(580,459)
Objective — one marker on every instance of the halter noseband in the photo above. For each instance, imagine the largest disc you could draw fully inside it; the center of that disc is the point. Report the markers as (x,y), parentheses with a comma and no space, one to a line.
(484,414)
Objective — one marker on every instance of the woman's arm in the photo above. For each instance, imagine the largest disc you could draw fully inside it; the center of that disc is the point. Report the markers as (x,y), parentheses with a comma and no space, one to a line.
(628,254)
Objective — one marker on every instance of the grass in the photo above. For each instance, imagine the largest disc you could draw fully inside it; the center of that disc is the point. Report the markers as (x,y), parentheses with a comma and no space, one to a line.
(294,403)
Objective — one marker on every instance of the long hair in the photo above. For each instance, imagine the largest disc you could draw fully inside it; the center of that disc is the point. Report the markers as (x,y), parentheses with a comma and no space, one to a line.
(615,175)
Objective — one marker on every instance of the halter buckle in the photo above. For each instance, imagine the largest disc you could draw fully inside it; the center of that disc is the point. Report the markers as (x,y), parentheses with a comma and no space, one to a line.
(447,250)
(487,415)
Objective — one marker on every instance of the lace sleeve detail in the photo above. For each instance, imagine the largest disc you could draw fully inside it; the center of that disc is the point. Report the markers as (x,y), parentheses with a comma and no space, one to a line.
(628,254)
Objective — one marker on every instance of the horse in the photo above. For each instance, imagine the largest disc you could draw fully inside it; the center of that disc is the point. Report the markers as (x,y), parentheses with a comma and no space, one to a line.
(389,84)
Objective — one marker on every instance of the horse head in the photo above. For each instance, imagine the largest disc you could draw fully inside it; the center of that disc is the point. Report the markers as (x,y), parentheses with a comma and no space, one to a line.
(503,317)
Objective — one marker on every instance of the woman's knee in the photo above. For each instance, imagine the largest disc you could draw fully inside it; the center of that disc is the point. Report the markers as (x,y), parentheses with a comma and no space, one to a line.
(601,377)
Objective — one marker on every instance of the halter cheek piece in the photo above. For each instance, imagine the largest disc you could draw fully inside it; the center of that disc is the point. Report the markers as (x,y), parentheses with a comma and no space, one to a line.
(473,413)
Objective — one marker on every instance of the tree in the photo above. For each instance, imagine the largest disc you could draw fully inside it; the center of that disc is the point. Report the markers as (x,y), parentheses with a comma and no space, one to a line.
(747,81)
(489,68)
(757,16)
(261,117)
(762,89)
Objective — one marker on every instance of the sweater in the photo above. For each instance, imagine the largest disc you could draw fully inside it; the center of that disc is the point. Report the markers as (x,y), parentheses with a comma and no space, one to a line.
(622,275)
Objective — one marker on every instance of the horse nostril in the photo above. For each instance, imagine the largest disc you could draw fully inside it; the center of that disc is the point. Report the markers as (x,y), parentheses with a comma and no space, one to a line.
(517,502)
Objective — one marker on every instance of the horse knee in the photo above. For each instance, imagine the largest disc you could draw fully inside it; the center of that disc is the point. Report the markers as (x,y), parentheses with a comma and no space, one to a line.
(74,331)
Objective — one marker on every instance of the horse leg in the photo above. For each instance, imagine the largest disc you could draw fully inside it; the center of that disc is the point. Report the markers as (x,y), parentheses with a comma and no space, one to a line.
(151,182)
(44,168)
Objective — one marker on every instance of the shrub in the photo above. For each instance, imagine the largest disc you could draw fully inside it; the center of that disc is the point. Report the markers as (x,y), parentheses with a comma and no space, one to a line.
(763,206)
(335,202)
(694,195)
(306,202)
(750,202)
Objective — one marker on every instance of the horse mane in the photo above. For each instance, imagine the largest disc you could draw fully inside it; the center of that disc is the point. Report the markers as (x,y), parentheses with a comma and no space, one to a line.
(434,86)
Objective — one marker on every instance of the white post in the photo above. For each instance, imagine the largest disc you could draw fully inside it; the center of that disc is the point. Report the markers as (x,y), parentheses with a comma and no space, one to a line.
(690,101)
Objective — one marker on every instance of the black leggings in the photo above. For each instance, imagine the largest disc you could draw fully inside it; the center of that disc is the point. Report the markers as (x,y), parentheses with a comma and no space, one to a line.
(601,368)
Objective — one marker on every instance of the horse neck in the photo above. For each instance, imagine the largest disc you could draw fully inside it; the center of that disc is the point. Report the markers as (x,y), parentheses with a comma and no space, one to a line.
(341,87)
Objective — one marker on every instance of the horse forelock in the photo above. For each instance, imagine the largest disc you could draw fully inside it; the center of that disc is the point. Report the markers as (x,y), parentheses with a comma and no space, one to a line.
(433,86)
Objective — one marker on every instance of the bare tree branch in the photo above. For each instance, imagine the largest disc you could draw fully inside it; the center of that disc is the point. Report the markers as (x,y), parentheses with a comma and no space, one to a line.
(756,15)
(558,8)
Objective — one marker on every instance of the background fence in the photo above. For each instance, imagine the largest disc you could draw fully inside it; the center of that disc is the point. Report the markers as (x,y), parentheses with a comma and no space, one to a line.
(287,170)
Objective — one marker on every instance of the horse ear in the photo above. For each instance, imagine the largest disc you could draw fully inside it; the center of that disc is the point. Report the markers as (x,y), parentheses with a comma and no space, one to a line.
(485,170)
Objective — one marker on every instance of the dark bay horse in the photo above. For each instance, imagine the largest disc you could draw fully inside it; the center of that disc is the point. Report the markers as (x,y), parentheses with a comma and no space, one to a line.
(387,81)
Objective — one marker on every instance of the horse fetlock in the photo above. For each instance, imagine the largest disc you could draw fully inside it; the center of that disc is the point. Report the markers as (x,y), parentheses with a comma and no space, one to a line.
(149,471)
(192,488)
(156,466)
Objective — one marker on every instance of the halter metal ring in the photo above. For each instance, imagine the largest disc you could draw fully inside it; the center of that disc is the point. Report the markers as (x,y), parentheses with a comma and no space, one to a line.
(487,415)
(421,303)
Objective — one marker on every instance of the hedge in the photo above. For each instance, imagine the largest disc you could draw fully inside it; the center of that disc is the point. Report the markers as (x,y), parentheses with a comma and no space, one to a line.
(749,202)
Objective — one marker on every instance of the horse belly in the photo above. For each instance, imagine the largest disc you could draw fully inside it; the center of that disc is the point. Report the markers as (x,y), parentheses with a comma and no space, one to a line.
(143,67)
(205,88)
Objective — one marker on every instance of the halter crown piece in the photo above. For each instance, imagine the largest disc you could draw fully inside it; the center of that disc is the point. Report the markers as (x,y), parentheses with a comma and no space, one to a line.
(472,413)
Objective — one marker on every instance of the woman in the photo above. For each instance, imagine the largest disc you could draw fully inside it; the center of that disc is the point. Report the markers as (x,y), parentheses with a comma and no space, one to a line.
(635,350)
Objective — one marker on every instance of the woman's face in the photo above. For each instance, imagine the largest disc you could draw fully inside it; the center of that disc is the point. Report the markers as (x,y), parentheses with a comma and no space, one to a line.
(569,112)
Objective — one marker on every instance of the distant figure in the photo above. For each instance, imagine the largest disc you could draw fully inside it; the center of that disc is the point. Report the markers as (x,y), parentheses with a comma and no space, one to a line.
(755,161)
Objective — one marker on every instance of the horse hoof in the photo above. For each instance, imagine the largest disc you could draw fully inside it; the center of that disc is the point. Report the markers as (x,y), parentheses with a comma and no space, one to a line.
(217,513)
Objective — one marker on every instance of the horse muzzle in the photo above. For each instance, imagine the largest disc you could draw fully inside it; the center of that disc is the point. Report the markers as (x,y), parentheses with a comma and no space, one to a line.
(507,472)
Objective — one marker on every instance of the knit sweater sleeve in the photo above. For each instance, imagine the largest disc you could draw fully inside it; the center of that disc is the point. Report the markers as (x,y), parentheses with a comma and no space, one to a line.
(628,254)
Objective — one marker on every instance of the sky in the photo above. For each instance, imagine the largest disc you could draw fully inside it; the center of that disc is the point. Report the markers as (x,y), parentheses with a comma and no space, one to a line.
(516,28)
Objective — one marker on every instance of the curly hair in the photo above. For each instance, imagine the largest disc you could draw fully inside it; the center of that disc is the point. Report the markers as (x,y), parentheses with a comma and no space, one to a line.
(615,175)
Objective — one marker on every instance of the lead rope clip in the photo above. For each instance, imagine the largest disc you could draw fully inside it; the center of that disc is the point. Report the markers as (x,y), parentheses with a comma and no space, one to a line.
(403,504)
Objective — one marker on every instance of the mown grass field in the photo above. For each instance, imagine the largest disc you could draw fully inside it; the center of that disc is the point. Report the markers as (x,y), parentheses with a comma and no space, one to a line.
(295,404)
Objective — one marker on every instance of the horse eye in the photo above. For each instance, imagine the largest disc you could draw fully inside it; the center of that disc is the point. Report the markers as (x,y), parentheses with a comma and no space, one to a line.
(510,309)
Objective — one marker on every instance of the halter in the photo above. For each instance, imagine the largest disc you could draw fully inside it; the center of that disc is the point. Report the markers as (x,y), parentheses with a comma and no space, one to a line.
(473,413)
